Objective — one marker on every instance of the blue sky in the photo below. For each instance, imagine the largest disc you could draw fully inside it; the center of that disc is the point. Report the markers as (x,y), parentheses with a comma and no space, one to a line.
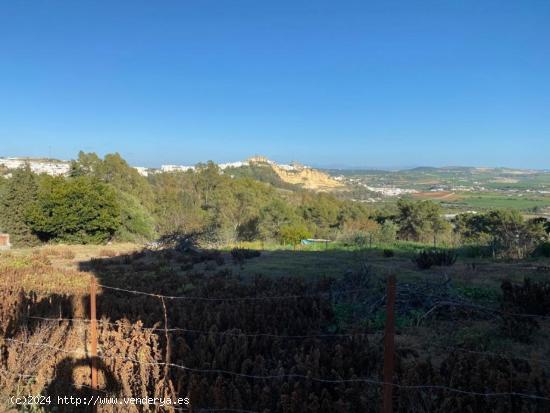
(356,83)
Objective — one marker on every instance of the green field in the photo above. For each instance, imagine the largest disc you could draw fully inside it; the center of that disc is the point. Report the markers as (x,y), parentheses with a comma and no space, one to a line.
(494,200)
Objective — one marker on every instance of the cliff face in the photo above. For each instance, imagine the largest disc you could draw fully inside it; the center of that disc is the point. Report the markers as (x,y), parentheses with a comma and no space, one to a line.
(308,178)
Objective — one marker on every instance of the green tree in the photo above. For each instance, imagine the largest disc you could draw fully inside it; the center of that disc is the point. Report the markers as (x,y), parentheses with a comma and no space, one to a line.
(294,233)
(387,232)
(76,210)
(320,211)
(137,224)
(513,235)
(505,231)
(18,195)
(87,164)
(273,217)
(114,170)
(206,180)
(420,220)
(176,203)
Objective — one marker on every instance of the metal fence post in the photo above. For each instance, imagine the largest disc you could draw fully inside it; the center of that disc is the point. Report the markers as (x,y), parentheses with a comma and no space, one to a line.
(93,332)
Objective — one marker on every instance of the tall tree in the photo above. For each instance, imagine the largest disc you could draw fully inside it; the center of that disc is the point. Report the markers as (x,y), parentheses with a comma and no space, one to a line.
(420,220)
(19,194)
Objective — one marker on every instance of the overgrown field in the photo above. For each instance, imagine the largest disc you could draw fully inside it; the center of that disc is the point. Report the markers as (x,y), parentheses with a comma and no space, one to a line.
(277,330)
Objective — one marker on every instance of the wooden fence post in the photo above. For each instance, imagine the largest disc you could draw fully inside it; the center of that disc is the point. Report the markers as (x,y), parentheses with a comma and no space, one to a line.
(389,347)
(93,332)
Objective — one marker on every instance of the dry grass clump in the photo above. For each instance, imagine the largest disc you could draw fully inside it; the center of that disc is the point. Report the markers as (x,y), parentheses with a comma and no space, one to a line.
(52,359)
(28,365)
(49,251)
(107,253)
(54,251)
(67,254)
(35,272)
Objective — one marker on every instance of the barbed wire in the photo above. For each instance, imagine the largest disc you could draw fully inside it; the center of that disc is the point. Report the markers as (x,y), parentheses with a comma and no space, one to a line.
(444,300)
(479,352)
(283,336)
(305,377)
(209,332)
(249,298)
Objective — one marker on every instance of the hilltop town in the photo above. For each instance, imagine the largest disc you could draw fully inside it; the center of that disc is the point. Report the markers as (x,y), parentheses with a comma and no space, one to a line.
(293,173)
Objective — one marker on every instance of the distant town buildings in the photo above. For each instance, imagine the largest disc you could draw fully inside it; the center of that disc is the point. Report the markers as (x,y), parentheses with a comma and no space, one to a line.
(175,168)
(39,166)
(142,170)
(390,191)
(58,167)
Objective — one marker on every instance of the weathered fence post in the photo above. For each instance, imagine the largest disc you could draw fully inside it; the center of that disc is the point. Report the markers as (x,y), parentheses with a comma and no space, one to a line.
(93,332)
(389,347)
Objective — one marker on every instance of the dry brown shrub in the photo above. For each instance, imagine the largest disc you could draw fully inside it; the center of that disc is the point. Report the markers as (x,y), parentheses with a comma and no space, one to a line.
(28,363)
(48,251)
(107,253)
(67,254)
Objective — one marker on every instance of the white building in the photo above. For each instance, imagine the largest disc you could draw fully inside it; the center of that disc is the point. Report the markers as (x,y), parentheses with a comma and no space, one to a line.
(176,168)
(38,166)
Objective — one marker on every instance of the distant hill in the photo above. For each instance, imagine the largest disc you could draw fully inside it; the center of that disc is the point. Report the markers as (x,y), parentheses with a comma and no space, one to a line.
(290,176)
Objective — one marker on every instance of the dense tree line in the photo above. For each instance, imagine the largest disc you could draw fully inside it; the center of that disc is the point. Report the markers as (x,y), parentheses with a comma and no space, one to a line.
(504,232)
(106,199)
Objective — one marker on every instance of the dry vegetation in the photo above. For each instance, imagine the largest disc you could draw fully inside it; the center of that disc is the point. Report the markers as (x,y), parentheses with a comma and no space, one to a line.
(52,282)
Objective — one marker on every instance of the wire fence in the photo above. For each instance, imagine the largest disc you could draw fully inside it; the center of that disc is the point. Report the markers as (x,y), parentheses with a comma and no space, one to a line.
(297,337)
(438,302)
(293,376)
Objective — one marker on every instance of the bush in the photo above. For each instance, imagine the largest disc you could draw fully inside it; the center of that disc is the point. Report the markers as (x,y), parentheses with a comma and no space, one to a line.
(529,298)
(388,253)
(426,259)
(423,260)
(67,254)
(444,257)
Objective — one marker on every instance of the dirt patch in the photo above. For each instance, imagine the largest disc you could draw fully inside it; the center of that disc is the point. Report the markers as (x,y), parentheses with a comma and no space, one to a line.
(440,195)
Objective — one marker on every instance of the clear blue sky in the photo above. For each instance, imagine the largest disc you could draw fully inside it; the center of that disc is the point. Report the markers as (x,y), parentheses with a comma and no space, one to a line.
(357,83)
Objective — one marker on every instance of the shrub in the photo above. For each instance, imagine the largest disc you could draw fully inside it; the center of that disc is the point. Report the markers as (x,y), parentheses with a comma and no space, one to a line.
(48,251)
(423,260)
(426,259)
(388,253)
(444,257)
(67,253)
(529,298)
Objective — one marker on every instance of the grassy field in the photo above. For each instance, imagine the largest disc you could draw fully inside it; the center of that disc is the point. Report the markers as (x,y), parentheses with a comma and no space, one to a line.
(481,201)
(53,268)
(58,268)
